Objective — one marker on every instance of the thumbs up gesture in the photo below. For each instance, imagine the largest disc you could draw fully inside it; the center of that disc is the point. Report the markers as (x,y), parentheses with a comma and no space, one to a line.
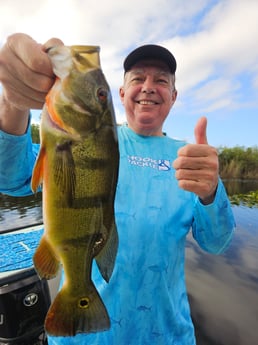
(197,165)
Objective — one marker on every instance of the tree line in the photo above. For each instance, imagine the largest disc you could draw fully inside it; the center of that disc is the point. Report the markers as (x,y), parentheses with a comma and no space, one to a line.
(235,163)
(238,162)
(35,133)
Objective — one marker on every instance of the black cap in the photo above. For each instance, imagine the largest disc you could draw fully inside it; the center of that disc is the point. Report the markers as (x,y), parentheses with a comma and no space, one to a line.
(150,51)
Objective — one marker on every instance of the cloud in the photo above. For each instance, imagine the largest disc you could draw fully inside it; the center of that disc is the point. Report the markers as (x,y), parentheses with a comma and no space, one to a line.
(224,43)
(215,94)
(204,38)
(215,42)
(218,61)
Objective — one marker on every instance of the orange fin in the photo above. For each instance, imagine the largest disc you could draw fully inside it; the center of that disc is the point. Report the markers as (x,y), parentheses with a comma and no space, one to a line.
(107,256)
(50,103)
(45,261)
(71,314)
(37,174)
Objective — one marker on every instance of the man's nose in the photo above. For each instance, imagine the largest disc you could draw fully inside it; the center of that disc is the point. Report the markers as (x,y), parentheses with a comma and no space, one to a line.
(148,87)
(148,90)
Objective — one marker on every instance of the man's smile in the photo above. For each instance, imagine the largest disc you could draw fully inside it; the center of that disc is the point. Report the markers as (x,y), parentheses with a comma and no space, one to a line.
(144,102)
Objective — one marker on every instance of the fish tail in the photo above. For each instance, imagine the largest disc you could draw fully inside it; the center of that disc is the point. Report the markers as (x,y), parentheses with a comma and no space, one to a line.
(70,314)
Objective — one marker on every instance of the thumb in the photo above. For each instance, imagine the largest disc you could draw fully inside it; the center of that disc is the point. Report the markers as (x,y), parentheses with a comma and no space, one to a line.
(200,131)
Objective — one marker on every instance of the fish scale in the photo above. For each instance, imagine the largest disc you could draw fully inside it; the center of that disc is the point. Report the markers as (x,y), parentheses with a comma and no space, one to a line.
(78,167)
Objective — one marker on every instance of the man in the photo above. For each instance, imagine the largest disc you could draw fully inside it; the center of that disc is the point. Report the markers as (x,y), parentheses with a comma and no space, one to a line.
(165,187)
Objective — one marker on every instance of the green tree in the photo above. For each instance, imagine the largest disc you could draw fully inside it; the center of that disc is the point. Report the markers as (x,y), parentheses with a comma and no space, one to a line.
(238,162)
(35,133)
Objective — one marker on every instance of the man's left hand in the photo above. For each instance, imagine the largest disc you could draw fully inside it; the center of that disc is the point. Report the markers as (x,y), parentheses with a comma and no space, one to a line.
(197,165)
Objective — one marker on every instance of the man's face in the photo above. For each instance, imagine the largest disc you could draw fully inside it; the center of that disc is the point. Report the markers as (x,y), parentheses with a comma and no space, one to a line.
(148,95)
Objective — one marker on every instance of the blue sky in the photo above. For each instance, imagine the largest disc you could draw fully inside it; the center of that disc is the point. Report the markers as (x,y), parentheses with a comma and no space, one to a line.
(214,42)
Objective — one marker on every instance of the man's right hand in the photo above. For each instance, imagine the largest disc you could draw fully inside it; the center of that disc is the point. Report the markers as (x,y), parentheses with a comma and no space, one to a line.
(26,76)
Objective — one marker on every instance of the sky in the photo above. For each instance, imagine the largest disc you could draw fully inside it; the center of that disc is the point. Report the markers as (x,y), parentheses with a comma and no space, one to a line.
(214,42)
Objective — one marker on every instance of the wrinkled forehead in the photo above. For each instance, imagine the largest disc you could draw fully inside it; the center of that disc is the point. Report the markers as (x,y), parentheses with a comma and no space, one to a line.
(146,63)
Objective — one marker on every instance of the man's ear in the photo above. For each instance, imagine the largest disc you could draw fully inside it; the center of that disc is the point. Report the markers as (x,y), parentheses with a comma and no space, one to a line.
(174,96)
(121,94)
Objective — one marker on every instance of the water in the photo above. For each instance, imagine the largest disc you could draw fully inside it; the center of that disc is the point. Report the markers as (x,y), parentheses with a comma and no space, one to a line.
(16,212)
(223,289)
(238,186)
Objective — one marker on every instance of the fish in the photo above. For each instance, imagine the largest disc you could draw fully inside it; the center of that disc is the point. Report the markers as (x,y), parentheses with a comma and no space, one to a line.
(77,169)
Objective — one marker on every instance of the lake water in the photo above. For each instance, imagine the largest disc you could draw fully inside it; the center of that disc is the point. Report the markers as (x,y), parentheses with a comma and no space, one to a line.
(16,212)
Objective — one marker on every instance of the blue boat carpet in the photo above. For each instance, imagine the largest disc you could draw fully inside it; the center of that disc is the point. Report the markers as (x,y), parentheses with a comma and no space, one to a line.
(17,249)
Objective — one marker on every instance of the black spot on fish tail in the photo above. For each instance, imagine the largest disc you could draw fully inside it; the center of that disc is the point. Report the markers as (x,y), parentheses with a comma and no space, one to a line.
(64,172)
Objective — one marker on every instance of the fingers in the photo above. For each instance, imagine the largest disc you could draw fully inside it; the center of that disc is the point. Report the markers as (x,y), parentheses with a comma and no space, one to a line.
(29,53)
(197,171)
(196,150)
(25,72)
(196,160)
(203,182)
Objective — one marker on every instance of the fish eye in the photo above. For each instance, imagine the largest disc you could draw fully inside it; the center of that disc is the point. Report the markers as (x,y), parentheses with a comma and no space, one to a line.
(102,94)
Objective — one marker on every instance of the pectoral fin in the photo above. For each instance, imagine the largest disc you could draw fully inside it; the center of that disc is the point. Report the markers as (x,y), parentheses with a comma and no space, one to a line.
(106,258)
(37,174)
(64,172)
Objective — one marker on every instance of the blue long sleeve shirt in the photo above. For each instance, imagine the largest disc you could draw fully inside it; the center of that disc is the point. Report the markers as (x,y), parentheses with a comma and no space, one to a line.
(146,297)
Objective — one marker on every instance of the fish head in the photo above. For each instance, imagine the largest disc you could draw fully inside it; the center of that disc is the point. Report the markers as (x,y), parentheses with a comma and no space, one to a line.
(65,58)
(80,101)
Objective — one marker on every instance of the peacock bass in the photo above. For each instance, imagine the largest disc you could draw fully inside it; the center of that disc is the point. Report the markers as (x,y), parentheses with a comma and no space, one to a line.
(77,166)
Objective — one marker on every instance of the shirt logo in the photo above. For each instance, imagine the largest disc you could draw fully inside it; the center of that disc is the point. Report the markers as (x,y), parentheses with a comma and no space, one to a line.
(147,162)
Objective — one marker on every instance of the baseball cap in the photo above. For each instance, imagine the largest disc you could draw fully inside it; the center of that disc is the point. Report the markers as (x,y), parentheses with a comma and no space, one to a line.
(150,51)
